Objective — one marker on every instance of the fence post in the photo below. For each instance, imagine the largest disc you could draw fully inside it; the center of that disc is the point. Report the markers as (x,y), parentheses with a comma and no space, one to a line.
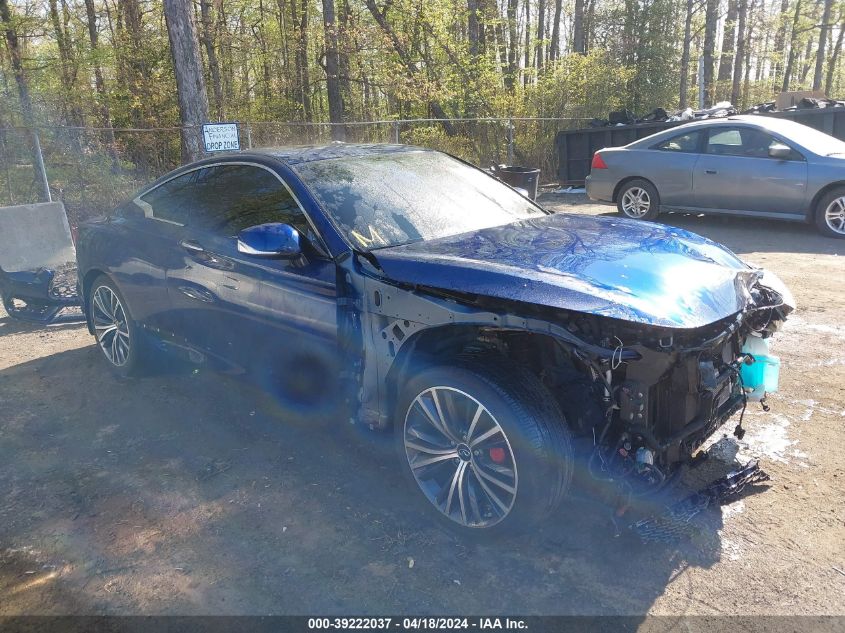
(395,128)
(510,142)
(248,136)
(42,171)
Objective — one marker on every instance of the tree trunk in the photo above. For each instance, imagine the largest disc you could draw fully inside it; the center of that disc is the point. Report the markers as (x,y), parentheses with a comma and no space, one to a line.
(13,46)
(190,83)
(99,80)
(578,28)
(211,52)
(527,51)
(820,53)
(780,40)
(685,53)
(834,57)
(332,68)
(793,43)
(710,21)
(554,46)
(727,58)
(538,48)
(513,46)
(740,51)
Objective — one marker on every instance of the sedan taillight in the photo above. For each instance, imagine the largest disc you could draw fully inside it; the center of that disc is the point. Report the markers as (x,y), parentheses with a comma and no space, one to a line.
(598,162)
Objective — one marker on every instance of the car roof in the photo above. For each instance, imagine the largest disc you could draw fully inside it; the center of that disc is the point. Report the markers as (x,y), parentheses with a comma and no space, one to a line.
(296,155)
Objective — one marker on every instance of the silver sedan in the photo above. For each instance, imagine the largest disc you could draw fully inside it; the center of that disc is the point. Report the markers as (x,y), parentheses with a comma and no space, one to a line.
(742,165)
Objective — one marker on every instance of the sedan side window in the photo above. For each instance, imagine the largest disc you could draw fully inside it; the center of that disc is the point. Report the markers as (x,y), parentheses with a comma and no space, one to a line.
(233,197)
(172,201)
(743,141)
(687,142)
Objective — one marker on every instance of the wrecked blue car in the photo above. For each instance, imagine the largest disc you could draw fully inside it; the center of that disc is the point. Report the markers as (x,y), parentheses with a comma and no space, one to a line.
(497,341)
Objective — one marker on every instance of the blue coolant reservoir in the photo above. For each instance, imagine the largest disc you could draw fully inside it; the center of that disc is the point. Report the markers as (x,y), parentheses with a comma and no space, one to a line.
(761,376)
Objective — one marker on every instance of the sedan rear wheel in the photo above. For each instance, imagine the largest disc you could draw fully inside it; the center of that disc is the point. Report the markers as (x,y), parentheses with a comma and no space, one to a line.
(830,214)
(638,200)
(486,445)
(116,333)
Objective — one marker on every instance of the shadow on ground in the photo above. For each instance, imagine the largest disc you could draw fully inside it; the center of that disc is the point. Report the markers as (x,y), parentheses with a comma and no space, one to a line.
(194,493)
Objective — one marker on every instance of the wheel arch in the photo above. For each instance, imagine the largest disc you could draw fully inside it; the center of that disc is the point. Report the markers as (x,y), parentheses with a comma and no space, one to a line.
(628,179)
(444,343)
(813,207)
(85,283)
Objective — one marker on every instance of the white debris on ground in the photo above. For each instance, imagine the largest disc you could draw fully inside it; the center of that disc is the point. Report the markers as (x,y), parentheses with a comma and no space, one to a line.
(570,190)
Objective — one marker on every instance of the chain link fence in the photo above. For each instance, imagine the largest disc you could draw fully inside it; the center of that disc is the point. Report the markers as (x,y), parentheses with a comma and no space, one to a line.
(91,170)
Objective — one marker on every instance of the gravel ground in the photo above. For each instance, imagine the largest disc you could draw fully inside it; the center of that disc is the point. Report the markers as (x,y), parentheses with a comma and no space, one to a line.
(193,493)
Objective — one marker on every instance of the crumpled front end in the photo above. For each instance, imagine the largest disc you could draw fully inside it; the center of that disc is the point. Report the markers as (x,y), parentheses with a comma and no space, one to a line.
(675,388)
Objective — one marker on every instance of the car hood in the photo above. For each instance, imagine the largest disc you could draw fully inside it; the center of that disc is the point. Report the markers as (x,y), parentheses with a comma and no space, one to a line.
(625,269)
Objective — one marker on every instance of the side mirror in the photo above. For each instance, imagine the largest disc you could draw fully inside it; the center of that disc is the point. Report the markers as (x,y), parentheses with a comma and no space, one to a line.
(780,151)
(270,240)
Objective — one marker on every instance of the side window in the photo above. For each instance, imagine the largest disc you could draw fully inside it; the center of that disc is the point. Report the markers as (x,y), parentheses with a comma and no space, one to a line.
(681,143)
(743,141)
(173,201)
(231,198)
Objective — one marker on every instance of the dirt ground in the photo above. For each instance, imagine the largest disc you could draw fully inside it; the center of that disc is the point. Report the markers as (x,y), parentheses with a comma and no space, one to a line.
(193,493)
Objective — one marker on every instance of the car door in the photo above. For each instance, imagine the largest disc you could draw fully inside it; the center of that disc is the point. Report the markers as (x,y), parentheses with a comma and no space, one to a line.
(670,164)
(273,316)
(153,224)
(736,173)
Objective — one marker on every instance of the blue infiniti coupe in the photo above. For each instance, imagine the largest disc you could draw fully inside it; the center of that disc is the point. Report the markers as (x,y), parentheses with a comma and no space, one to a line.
(498,342)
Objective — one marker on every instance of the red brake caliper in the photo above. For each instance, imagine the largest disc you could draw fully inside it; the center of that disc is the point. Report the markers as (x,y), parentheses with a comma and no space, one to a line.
(497,454)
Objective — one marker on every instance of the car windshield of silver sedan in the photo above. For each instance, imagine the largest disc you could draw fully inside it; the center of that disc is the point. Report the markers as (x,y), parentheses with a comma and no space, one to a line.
(405,197)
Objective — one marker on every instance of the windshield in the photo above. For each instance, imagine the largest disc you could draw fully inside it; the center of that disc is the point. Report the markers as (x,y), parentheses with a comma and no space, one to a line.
(398,198)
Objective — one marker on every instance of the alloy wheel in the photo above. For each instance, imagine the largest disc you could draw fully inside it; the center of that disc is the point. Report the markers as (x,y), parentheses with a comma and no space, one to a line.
(636,202)
(460,457)
(834,215)
(110,325)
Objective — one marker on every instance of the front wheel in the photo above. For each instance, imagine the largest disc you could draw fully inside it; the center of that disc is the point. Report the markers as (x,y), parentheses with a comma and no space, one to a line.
(638,200)
(830,213)
(485,445)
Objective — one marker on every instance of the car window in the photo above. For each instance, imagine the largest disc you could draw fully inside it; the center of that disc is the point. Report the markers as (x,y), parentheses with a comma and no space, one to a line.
(687,142)
(230,198)
(743,141)
(172,200)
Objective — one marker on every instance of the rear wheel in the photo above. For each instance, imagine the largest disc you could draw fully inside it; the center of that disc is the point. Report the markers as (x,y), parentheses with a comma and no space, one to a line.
(638,200)
(485,445)
(117,335)
(830,213)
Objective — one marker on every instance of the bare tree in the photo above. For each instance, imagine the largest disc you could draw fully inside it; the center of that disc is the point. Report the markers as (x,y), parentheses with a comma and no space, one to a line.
(711,17)
(820,52)
(578,40)
(834,58)
(685,54)
(727,57)
(793,44)
(554,46)
(207,36)
(739,58)
(99,80)
(187,66)
(332,68)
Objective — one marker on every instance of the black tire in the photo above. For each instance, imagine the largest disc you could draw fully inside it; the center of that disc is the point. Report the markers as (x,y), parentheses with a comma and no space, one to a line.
(644,191)
(132,363)
(824,223)
(533,428)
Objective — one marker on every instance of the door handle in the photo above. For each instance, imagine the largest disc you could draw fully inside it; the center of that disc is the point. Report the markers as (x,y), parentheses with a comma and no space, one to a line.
(192,246)
(710,171)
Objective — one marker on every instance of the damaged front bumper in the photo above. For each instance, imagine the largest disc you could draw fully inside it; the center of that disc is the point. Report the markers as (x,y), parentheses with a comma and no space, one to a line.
(43,296)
